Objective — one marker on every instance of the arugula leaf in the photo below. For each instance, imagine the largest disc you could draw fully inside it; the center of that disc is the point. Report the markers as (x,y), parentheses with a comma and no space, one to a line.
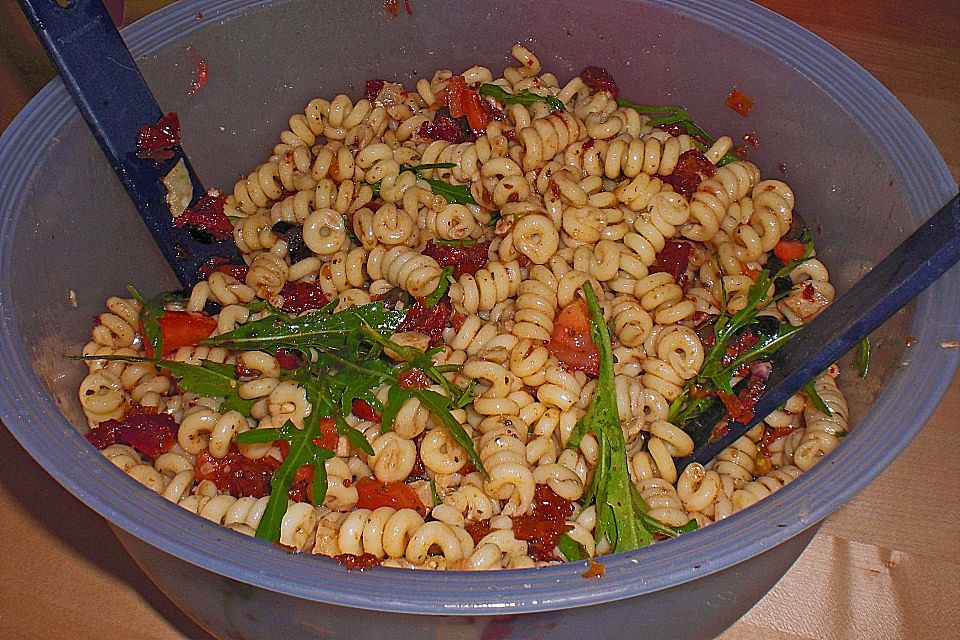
(213,379)
(861,362)
(303,450)
(811,390)
(417,168)
(571,549)
(466,242)
(452,193)
(661,116)
(617,501)
(525,97)
(446,279)
(150,312)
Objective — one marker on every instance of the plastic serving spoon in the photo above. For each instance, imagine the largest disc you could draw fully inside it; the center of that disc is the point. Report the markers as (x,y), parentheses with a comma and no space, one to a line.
(919,260)
(105,83)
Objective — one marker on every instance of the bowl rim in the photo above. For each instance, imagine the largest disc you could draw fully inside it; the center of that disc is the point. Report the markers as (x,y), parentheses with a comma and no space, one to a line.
(927,184)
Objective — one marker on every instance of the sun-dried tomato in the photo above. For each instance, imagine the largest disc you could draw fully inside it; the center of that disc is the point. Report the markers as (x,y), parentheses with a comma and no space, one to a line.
(364,410)
(208,214)
(372,88)
(674,259)
(135,409)
(771,435)
(287,359)
(465,259)
(373,494)
(692,169)
(236,474)
(444,128)
(149,433)
(599,79)
(180,329)
(414,378)
(219,264)
(301,489)
(302,296)
(740,407)
(739,102)
(156,142)
(478,529)
(361,562)
(427,320)
(543,527)
(744,341)
(674,129)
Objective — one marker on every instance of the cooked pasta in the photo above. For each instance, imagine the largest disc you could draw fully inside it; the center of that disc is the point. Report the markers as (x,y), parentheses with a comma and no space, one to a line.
(476,220)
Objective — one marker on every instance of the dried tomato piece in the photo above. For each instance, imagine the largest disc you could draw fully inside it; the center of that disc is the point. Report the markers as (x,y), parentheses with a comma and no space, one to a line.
(692,169)
(541,535)
(372,88)
(219,264)
(599,79)
(674,259)
(428,320)
(302,296)
(361,562)
(149,433)
(744,341)
(300,490)
(287,359)
(156,142)
(236,474)
(739,102)
(445,128)
(208,214)
(596,570)
(740,407)
(414,378)
(201,72)
(478,529)
(465,259)
(547,504)
(374,494)
(364,410)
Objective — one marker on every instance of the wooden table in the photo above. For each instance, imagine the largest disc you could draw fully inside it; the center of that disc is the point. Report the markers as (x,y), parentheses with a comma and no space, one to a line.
(887,565)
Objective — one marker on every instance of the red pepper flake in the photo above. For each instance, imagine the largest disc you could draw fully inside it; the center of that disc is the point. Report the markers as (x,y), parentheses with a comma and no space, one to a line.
(910,341)
(692,169)
(414,378)
(201,72)
(751,139)
(675,129)
(427,320)
(465,259)
(808,293)
(740,407)
(361,562)
(364,410)
(746,340)
(302,296)
(674,259)
(478,529)
(596,570)
(599,79)
(157,142)
(220,264)
(149,433)
(739,102)
(771,435)
(208,214)
(235,473)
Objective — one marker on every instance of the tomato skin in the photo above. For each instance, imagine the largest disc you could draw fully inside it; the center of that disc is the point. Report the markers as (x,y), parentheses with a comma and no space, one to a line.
(364,410)
(181,329)
(328,434)
(789,250)
(414,378)
(374,494)
(571,342)
(463,101)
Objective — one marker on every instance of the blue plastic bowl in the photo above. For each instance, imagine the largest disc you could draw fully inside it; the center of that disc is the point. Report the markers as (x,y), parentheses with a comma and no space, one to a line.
(864,171)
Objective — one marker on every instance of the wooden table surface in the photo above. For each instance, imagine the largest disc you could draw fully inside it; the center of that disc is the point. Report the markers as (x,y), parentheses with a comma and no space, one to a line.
(887,565)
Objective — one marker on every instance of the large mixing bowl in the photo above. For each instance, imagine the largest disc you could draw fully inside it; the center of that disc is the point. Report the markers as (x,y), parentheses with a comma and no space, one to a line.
(865,175)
